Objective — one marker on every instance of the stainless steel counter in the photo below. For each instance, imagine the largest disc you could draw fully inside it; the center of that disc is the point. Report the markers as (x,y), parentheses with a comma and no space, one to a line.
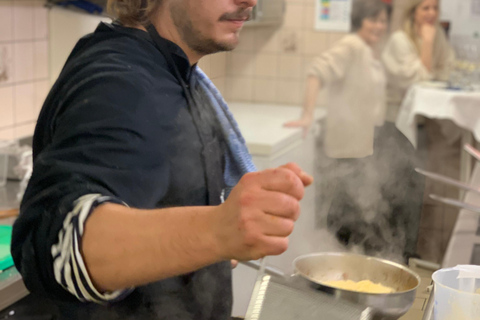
(464,245)
(12,288)
(8,196)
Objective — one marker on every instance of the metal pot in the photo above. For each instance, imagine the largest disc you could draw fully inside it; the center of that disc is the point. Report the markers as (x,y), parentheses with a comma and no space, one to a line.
(314,269)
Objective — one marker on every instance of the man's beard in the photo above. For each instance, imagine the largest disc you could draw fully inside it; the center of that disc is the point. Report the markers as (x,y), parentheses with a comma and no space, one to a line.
(194,38)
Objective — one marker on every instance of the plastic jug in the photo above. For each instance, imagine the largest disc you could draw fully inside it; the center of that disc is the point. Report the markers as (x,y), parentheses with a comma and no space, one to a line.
(455,295)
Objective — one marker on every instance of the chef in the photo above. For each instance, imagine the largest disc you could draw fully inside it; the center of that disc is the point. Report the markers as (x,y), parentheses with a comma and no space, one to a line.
(134,153)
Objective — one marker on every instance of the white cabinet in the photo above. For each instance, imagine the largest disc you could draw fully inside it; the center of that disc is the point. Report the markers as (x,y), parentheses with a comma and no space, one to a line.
(273,145)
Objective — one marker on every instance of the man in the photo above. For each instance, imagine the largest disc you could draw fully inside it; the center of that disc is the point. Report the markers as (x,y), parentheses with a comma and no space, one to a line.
(123,217)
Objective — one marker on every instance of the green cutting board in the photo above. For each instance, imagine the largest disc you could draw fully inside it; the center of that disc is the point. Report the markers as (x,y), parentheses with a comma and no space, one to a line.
(6,260)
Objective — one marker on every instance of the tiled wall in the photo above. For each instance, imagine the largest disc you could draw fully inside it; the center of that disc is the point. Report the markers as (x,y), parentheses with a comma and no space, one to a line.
(270,63)
(24,80)
(215,66)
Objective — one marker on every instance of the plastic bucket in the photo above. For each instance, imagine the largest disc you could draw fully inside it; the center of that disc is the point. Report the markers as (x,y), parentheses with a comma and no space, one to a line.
(455,299)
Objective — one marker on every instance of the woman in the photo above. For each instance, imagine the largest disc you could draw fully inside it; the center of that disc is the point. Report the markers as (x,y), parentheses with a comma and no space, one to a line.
(356,85)
(355,81)
(372,198)
(417,52)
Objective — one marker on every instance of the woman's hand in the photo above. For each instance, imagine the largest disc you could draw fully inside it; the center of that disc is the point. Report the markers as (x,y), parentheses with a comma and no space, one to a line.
(304,122)
(428,32)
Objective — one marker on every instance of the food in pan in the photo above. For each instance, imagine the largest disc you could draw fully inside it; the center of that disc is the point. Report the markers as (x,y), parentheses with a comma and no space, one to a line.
(365,286)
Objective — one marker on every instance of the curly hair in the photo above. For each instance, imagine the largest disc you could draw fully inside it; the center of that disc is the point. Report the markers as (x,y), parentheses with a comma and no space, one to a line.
(133,12)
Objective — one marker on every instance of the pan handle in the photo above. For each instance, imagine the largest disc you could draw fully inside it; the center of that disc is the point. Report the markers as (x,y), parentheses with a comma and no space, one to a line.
(268,270)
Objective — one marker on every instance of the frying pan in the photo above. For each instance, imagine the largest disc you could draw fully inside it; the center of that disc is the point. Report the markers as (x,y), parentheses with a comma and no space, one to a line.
(317,268)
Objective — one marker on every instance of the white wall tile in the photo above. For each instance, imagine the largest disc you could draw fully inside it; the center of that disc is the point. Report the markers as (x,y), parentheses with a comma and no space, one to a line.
(291,41)
(23,64)
(40,59)
(6,20)
(40,22)
(24,130)
(6,106)
(219,65)
(204,64)
(23,20)
(240,89)
(289,92)
(7,134)
(7,62)
(242,64)
(24,103)
(291,66)
(266,40)
(246,41)
(266,65)
(220,84)
(41,91)
(264,90)
(309,16)
(294,15)
(315,42)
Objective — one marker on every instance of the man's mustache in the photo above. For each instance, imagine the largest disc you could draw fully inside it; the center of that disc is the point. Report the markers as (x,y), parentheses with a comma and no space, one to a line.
(240,14)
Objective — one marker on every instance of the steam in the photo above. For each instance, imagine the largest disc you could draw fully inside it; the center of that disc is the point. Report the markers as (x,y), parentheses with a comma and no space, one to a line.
(371,205)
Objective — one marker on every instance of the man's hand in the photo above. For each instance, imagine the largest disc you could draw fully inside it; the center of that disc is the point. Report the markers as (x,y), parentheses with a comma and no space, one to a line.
(260,213)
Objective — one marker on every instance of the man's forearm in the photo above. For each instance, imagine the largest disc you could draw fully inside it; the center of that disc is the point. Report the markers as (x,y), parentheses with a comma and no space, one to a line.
(124,247)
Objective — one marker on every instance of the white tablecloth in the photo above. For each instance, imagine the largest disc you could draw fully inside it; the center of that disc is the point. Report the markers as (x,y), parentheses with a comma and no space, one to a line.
(463,108)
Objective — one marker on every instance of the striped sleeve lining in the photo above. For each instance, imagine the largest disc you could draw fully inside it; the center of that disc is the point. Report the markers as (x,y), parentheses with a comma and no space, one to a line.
(69,267)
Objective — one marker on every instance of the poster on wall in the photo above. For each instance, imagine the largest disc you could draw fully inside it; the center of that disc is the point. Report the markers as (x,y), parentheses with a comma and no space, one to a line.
(333,15)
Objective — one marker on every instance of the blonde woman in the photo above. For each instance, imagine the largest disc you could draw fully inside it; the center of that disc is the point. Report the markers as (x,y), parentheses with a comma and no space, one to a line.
(418,52)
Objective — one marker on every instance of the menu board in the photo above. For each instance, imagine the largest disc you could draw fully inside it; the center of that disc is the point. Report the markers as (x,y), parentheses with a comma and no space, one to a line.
(333,15)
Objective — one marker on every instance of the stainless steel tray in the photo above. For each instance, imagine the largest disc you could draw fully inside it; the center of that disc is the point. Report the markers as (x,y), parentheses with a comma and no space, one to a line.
(277,299)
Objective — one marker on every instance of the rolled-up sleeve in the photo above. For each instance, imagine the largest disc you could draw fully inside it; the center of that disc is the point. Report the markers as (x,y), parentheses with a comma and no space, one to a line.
(68,264)
(100,141)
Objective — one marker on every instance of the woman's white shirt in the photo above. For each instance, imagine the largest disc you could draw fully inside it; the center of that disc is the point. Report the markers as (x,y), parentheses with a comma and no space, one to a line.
(404,67)
(355,82)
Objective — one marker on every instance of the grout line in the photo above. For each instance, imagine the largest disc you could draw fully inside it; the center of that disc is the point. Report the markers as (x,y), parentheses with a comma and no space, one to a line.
(13,41)
(13,84)
(18,125)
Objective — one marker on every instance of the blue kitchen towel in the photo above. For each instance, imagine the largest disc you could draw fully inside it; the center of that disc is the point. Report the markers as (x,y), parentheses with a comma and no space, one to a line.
(238,160)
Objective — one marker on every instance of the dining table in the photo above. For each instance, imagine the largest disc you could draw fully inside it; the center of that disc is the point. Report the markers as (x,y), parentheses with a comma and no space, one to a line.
(435,100)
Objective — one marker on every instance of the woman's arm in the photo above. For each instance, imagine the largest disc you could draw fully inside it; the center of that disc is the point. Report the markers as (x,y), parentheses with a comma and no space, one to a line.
(329,67)
(403,62)
(311,93)
(427,34)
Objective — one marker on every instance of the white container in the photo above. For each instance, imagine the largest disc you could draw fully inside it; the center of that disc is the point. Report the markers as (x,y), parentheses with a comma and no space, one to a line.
(3,162)
(455,299)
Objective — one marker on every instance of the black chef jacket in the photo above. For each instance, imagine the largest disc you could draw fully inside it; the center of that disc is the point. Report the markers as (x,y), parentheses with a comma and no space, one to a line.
(117,123)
